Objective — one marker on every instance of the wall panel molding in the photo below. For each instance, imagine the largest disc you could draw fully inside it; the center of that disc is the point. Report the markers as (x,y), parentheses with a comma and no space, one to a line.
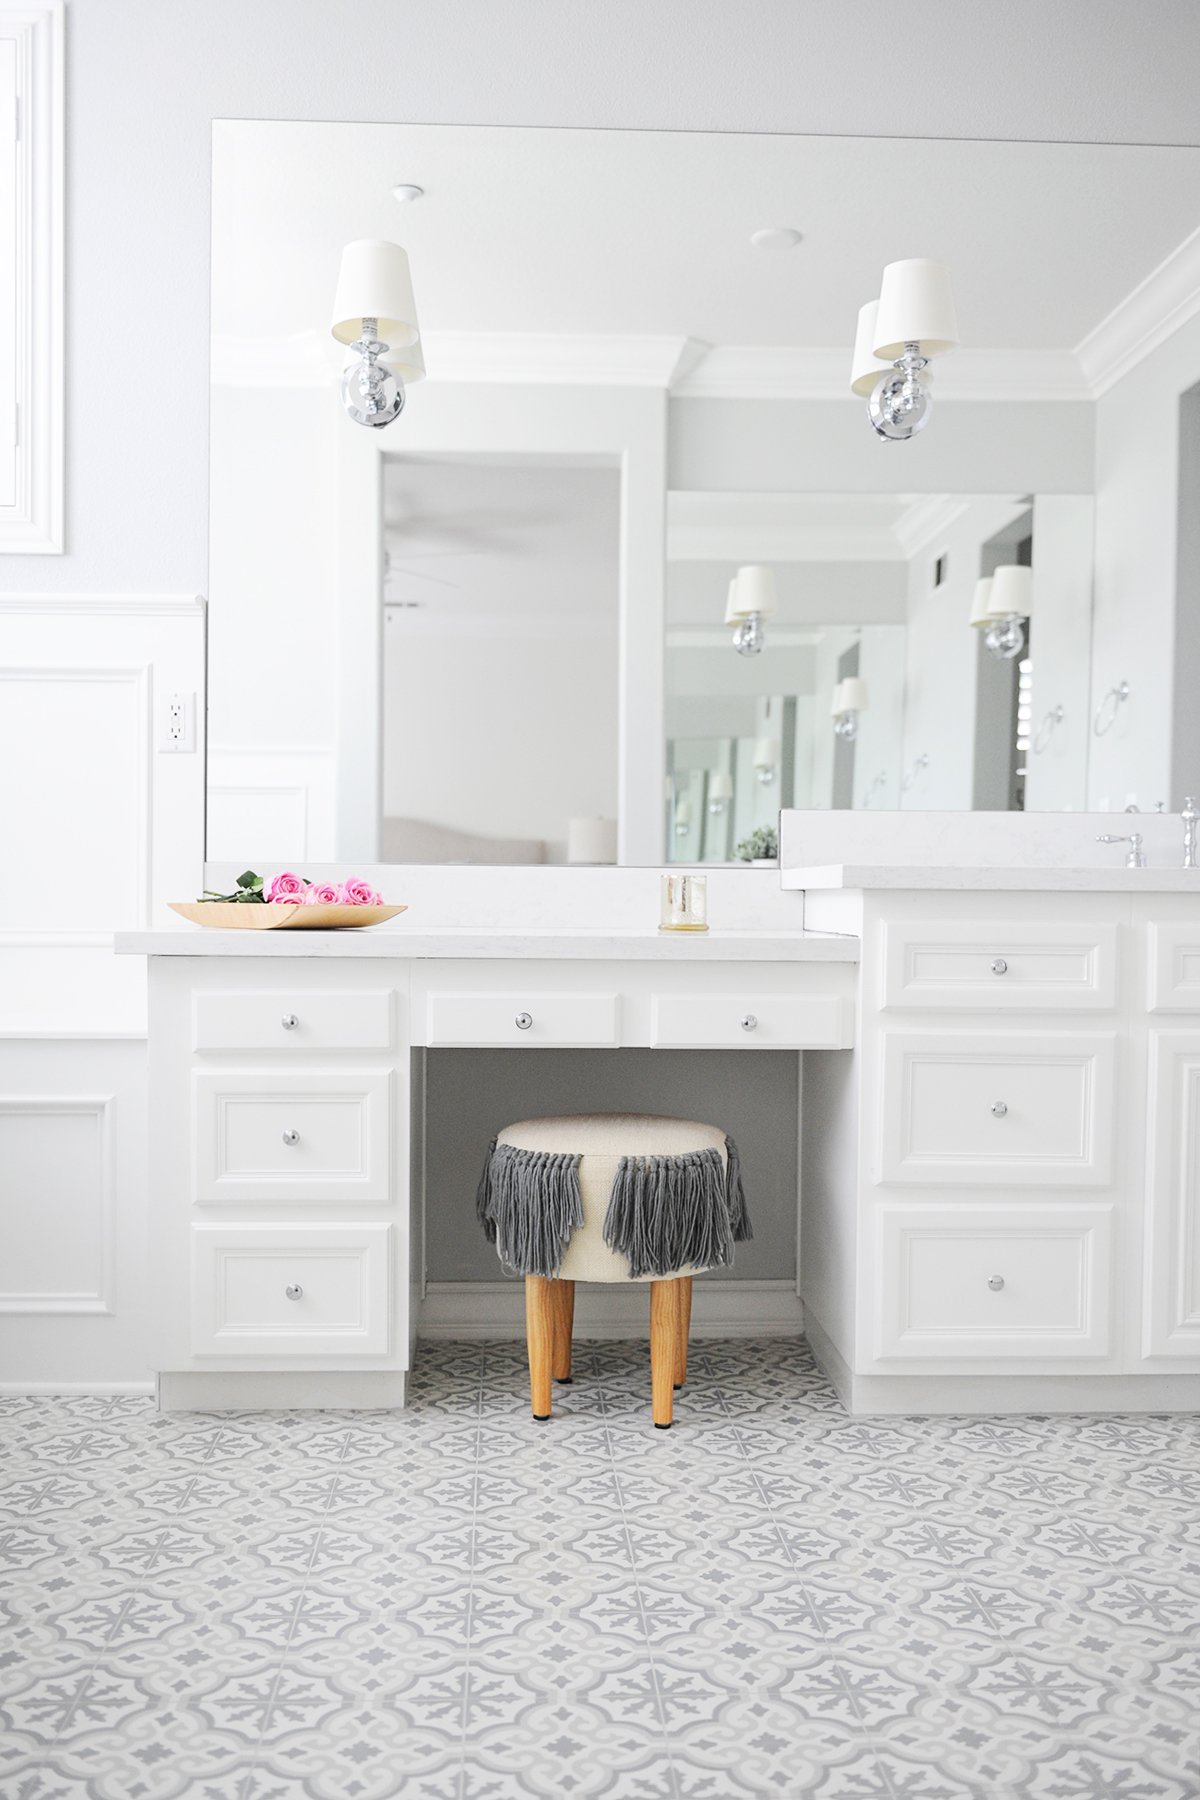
(52,1108)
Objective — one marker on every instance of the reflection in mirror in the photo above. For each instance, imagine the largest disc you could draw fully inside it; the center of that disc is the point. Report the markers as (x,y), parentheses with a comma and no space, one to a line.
(459,638)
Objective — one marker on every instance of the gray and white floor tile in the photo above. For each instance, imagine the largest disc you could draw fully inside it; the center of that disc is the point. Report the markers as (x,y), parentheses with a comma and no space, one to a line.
(454,1603)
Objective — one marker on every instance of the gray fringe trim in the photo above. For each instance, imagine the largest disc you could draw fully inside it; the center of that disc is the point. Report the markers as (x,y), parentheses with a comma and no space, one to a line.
(664,1213)
(677,1212)
(529,1205)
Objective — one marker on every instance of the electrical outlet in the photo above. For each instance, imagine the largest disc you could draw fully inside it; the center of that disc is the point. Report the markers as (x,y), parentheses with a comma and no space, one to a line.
(179,724)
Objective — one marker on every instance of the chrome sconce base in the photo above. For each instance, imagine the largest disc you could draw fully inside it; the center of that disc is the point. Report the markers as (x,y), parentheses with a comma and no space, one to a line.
(749,635)
(899,406)
(845,725)
(371,393)
(1005,639)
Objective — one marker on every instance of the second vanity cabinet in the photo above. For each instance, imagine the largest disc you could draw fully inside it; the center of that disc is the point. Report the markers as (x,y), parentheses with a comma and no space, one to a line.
(1017,1197)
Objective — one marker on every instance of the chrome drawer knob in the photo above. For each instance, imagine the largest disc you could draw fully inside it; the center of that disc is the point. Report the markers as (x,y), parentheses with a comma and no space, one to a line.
(523,1021)
(995,1282)
(294,1291)
(749,1022)
(289,1021)
(999,1108)
(999,966)
(291,1138)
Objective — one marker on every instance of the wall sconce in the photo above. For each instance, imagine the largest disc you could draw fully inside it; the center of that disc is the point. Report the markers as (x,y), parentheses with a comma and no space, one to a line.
(720,791)
(912,321)
(1001,601)
(374,312)
(766,759)
(849,699)
(752,598)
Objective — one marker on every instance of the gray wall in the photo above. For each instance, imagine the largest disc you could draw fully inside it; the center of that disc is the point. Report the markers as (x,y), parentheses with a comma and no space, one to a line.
(472,1094)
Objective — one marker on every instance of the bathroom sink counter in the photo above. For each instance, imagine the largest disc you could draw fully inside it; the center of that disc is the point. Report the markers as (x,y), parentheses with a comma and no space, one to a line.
(555,943)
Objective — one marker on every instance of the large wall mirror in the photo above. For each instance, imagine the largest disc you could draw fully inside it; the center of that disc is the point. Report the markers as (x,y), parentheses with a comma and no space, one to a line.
(501,628)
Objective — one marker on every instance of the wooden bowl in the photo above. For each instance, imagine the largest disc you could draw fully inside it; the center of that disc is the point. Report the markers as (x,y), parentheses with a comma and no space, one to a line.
(232,915)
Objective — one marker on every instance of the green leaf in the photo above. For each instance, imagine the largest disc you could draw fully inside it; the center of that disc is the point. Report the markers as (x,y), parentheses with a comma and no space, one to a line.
(248,879)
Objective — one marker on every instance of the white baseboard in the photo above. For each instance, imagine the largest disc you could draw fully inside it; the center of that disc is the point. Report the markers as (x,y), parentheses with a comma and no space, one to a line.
(720,1309)
(15,1389)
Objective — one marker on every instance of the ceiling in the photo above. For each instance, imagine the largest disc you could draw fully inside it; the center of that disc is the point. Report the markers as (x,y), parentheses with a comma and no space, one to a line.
(585,232)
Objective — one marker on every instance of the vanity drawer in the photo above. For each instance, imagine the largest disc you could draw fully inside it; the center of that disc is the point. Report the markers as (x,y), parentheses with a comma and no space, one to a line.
(997,1281)
(751,1021)
(290,1290)
(1006,967)
(299,1134)
(1173,964)
(521,1019)
(288,1020)
(996,1107)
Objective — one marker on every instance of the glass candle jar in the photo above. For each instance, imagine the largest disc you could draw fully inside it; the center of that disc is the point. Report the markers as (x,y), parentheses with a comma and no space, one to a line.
(684,903)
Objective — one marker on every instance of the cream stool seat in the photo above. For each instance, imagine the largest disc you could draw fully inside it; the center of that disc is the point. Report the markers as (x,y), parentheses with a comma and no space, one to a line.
(611,1197)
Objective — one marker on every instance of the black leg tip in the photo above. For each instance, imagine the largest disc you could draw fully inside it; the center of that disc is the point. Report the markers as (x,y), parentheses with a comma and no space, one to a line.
(541,1418)
(678,1385)
(564,1380)
(665,1427)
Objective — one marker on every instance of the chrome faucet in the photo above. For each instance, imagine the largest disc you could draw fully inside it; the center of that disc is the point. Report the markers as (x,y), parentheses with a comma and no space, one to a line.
(1189,817)
(1137,856)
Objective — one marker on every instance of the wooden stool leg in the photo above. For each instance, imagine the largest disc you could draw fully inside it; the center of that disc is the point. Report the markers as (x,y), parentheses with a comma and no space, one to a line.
(539,1330)
(685,1325)
(564,1320)
(664,1335)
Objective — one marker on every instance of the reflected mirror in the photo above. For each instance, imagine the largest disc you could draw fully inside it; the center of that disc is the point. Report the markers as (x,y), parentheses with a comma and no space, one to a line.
(502,628)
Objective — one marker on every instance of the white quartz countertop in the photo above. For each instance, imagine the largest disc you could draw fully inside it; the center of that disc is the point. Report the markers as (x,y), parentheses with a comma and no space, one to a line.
(1118,880)
(577,943)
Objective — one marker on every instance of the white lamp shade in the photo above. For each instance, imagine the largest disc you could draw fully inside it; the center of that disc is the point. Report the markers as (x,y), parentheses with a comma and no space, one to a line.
(592,841)
(720,785)
(756,590)
(836,703)
(981,604)
(374,283)
(854,694)
(1012,591)
(915,307)
(408,363)
(733,605)
(683,812)
(766,752)
(865,366)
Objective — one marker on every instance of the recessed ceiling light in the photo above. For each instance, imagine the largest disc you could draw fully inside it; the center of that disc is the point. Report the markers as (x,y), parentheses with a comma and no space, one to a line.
(775,237)
(406,191)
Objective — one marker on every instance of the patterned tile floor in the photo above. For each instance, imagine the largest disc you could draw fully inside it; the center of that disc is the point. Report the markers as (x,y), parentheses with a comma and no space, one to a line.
(454,1603)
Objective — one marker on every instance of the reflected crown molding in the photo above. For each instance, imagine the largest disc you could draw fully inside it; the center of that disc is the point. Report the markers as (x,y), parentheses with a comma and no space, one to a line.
(764,372)
(1158,306)
(734,527)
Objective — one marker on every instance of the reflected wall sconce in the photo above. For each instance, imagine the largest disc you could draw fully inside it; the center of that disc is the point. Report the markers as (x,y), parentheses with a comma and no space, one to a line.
(683,817)
(849,699)
(766,759)
(1109,707)
(912,321)
(1002,600)
(720,792)
(751,600)
(374,313)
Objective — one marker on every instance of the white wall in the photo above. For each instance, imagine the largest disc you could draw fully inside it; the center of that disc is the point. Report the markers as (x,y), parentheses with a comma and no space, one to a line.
(1137,446)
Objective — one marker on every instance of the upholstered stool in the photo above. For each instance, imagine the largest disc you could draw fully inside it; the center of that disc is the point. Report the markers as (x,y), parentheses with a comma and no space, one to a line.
(611,1197)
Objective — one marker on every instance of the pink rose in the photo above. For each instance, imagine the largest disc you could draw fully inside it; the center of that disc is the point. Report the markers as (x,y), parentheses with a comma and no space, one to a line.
(285,886)
(322,893)
(357,892)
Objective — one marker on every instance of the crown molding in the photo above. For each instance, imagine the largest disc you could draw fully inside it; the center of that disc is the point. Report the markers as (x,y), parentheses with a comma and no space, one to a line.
(927,519)
(765,372)
(1146,318)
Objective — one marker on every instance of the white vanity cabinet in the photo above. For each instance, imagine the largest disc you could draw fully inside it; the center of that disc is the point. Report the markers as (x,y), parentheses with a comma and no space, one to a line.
(286,1140)
(284,1227)
(1001,1193)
